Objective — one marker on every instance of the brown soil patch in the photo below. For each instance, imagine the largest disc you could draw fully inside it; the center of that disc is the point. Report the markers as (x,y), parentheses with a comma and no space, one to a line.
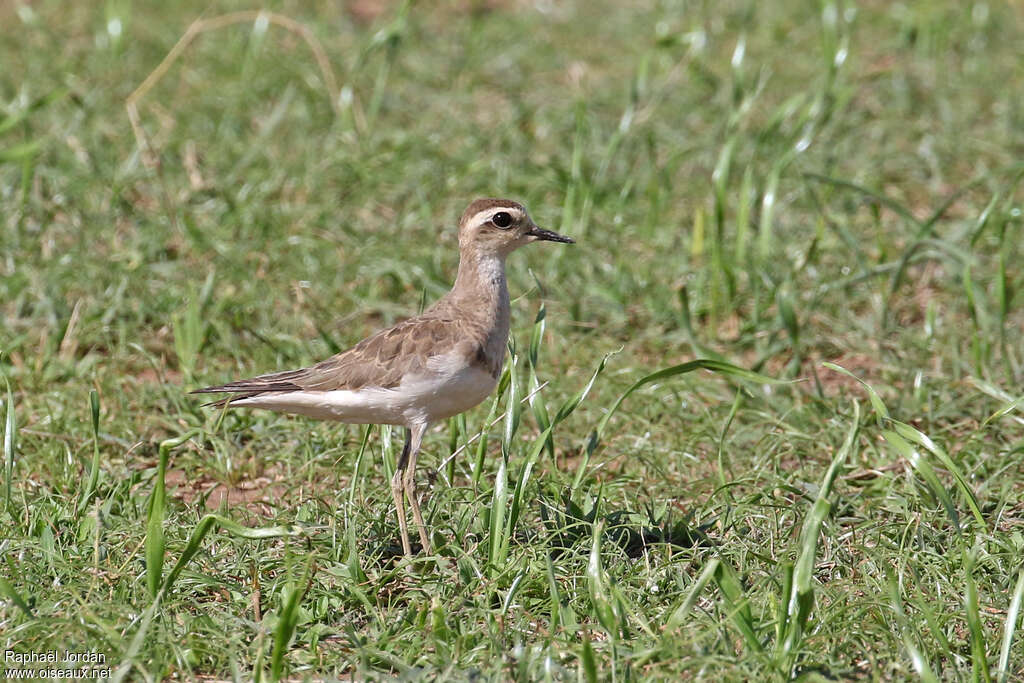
(147,375)
(369,11)
(259,495)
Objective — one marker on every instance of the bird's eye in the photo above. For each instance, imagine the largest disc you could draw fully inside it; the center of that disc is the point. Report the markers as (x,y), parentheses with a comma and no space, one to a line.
(501,220)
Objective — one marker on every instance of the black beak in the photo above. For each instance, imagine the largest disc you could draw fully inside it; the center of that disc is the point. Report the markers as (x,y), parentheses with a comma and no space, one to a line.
(549,236)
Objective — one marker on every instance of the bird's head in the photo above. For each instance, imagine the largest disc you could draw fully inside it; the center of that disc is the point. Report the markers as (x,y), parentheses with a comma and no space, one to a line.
(500,226)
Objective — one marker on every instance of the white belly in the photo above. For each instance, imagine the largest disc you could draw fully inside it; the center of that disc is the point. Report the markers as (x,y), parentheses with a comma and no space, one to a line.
(435,395)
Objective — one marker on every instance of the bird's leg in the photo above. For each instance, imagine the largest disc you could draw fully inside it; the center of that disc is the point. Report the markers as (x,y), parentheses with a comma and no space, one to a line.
(410,486)
(396,493)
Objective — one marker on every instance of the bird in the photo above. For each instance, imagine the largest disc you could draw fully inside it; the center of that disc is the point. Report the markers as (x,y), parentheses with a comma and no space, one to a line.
(427,368)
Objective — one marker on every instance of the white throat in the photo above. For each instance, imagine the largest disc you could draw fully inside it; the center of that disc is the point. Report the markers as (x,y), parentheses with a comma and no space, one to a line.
(491,270)
(481,274)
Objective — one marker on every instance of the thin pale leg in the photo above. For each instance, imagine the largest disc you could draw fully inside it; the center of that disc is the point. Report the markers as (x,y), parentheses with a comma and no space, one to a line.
(396,494)
(410,486)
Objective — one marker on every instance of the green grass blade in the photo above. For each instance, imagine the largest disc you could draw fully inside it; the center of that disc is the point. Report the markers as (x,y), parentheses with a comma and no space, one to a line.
(513,590)
(497,541)
(983,219)
(979,658)
(207,524)
(914,436)
(876,400)
(721,265)
(917,659)
(357,467)
(524,477)
(601,600)
(537,334)
(801,599)
(787,315)
(736,606)
(94,468)
(9,121)
(923,228)
(554,596)
(21,152)
(540,411)
(589,660)
(129,660)
(355,569)
(10,444)
(574,401)
(680,613)
(891,204)
(686,322)
(189,334)
(1012,616)
(721,456)
(513,409)
(743,216)
(992,390)
(720,367)
(626,608)
(157,512)
(782,607)
(287,620)
(537,404)
(1005,410)
(8,591)
(481,444)
(766,227)
(924,469)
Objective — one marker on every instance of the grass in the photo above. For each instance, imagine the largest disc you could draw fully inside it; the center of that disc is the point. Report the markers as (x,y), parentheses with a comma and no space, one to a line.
(828,195)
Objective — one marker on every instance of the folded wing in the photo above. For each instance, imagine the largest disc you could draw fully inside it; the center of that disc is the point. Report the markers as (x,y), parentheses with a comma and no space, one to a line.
(381,360)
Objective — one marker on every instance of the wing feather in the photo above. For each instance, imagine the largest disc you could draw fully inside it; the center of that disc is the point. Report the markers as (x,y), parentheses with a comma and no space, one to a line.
(381,360)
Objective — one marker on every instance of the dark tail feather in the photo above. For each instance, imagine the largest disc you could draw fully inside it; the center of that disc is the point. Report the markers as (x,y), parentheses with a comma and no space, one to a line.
(275,381)
(224,401)
(247,386)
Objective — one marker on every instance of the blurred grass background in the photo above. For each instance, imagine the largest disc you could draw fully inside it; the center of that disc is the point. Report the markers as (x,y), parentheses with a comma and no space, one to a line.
(773,184)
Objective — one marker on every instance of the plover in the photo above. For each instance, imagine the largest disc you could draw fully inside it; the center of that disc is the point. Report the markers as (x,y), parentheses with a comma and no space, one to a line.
(424,369)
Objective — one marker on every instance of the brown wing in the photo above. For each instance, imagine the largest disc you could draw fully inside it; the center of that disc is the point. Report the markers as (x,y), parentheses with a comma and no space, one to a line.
(380,360)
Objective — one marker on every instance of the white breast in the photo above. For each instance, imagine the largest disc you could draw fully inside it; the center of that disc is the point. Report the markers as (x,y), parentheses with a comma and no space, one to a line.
(449,386)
